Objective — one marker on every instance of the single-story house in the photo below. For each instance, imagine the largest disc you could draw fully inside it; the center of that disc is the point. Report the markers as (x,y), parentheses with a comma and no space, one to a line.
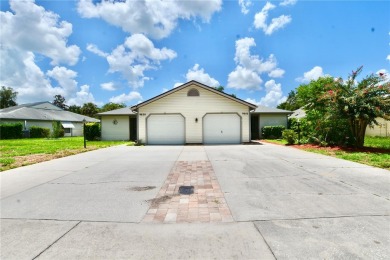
(193,113)
(42,114)
(266,116)
(119,124)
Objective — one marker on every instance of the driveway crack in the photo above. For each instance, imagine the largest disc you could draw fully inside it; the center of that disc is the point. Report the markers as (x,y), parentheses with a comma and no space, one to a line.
(57,240)
(265,241)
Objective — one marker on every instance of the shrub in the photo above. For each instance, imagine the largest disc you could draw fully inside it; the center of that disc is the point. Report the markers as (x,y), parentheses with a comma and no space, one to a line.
(290,136)
(11,131)
(39,132)
(58,131)
(272,132)
(92,131)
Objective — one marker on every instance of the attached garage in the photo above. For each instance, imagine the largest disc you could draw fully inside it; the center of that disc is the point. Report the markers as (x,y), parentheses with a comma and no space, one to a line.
(193,113)
(165,129)
(222,129)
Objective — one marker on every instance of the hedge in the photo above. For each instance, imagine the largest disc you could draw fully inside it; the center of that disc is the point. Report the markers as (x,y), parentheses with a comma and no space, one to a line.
(11,131)
(39,132)
(92,131)
(272,132)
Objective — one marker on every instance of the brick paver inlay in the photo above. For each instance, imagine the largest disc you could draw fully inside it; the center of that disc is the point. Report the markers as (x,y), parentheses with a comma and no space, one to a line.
(206,204)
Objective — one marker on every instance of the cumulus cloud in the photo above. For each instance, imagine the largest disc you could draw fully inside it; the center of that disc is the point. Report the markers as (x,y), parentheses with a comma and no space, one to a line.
(125,98)
(108,86)
(83,96)
(198,74)
(260,21)
(388,57)
(276,73)
(249,67)
(156,19)
(29,32)
(310,75)
(274,95)
(94,49)
(30,27)
(245,4)
(136,56)
(288,2)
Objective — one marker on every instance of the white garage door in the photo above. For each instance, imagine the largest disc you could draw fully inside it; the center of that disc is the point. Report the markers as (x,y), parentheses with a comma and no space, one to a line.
(165,129)
(221,129)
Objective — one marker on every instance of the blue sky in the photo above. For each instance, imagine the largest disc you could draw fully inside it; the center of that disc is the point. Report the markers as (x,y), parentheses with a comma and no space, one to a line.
(130,51)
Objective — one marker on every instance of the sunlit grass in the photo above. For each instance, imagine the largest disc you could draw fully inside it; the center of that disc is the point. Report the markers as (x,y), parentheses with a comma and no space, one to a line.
(18,152)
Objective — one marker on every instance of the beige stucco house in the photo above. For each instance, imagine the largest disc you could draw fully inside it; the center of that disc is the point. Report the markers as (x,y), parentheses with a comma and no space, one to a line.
(119,124)
(193,113)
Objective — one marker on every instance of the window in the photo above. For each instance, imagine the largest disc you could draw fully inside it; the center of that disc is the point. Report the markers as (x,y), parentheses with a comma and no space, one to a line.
(193,93)
(67,130)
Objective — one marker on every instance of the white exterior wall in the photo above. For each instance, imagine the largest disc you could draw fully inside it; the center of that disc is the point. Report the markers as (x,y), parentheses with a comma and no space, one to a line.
(383,129)
(191,108)
(120,131)
(77,131)
(272,120)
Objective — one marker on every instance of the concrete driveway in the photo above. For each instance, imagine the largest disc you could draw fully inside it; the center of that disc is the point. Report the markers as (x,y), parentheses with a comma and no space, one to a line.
(250,202)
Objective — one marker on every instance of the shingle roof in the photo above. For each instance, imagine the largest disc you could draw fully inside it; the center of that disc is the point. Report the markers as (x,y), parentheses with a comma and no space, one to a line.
(44,111)
(263,109)
(118,112)
(299,113)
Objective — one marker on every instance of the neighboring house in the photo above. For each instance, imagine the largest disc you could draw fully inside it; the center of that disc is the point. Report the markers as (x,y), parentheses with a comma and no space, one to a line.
(383,129)
(119,124)
(265,116)
(42,114)
(193,113)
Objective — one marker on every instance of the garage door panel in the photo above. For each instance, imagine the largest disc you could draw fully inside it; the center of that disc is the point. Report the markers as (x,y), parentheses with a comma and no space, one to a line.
(165,129)
(221,129)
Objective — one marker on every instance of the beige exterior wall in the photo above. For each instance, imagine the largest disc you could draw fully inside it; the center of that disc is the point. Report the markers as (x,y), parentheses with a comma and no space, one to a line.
(383,129)
(272,120)
(77,131)
(119,131)
(192,108)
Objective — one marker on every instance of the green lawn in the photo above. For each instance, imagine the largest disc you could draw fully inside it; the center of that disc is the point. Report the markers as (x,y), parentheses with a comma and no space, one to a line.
(376,152)
(21,152)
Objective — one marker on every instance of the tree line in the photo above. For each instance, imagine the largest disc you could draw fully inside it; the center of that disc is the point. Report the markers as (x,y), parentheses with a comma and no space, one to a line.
(8,99)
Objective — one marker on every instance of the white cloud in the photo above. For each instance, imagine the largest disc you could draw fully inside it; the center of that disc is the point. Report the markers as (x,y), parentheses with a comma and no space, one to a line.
(388,57)
(243,78)
(136,56)
(245,4)
(94,49)
(288,2)
(260,21)
(249,67)
(198,74)
(274,95)
(83,96)
(108,86)
(29,32)
(384,74)
(156,19)
(30,27)
(276,73)
(125,98)
(310,75)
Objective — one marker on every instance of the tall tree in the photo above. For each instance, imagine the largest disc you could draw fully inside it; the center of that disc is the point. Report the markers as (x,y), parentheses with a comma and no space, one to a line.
(59,101)
(291,102)
(112,106)
(344,108)
(7,97)
(75,109)
(89,109)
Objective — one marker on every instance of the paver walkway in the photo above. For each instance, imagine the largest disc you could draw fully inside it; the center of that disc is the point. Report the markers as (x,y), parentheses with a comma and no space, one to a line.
(206,204)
